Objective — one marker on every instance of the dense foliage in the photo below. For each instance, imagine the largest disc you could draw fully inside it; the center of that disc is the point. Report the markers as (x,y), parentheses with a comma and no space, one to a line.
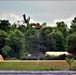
(16,41)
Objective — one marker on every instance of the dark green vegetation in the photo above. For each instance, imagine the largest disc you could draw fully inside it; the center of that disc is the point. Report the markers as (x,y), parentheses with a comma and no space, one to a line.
(37,65)
(16,40)
(69,60)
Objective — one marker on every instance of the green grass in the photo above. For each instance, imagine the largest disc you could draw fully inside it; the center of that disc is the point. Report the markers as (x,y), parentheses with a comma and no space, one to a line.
(35,65)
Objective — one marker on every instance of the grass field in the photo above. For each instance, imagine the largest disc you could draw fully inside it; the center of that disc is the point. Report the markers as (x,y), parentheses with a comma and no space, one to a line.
(35,65)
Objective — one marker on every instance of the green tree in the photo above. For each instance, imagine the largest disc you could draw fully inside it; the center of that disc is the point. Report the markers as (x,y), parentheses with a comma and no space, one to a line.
(31,40)
(3,36)
(4,25)
(47,30)
(43,41)
(72,43)
(5,51)
(16,41)
(73,26)
(22,28)
(61,26)
(59,39)
(51,43)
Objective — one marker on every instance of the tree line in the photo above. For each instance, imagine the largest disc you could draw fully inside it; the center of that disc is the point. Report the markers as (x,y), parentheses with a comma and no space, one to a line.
(18,40)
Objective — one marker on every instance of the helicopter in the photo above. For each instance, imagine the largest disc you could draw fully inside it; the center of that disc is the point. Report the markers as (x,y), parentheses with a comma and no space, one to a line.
(27,22)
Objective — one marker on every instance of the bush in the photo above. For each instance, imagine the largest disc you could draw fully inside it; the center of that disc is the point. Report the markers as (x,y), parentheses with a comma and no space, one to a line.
(69,60)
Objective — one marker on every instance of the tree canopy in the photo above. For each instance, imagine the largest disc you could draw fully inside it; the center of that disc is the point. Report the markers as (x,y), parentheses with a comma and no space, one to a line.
(16,41)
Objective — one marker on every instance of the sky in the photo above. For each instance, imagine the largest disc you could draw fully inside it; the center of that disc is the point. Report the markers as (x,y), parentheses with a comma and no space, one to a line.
(40,11)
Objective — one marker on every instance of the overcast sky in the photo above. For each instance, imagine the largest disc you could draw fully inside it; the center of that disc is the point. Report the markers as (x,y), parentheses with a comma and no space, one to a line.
(39,11)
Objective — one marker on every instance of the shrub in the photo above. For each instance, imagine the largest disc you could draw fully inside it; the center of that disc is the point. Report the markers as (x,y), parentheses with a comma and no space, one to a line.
(69,60)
